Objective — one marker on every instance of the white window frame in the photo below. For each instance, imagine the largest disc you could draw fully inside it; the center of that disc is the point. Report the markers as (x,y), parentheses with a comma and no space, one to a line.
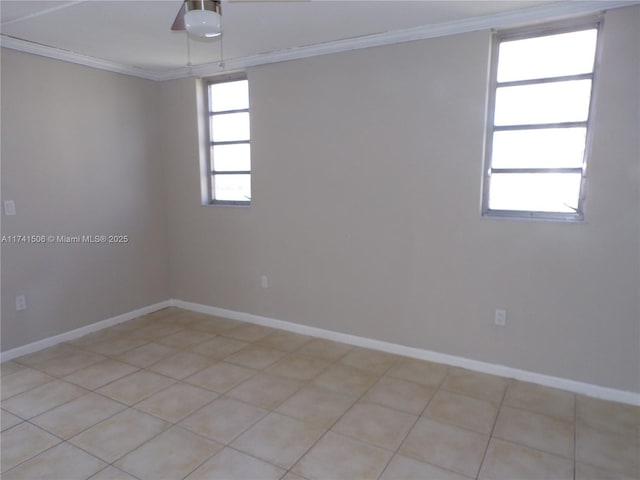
(519,34)
(209,171)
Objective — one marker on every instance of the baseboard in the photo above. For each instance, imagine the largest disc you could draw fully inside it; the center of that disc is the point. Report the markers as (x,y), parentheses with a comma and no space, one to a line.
(79,332)
(597,391)
(622,396)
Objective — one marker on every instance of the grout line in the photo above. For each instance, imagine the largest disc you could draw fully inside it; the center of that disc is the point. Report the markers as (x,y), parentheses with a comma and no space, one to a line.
(486,449)
(420,415)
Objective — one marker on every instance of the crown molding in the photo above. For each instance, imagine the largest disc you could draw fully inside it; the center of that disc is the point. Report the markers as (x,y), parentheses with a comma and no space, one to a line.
(538,13)
(72,57)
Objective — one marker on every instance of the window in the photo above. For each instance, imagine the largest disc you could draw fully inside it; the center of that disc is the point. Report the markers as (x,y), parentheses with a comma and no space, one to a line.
(229,153)
(538,125)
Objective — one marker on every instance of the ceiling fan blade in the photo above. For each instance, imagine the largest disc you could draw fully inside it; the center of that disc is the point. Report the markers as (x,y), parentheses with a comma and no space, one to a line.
(178,23)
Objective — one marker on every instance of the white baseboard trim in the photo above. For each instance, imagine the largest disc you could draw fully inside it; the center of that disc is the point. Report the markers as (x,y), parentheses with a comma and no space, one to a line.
(79,332)
(622,396)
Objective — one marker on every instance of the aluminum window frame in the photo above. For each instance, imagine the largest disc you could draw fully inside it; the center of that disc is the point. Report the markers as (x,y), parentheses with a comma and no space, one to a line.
(210,143)
(594,22)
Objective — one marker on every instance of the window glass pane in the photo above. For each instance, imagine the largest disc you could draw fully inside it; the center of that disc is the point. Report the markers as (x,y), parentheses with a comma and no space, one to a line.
(232,187)
(543,103)
(549,56)
(542,192)
(230,127)
(542,148)
(229,96)
(231,157)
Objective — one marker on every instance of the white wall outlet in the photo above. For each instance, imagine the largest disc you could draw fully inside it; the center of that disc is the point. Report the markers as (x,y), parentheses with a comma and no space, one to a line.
(21,302)
(9,207)
(500,318)
(264,281)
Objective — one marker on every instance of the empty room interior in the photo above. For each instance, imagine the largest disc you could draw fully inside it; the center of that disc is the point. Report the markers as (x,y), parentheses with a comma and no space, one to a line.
(317,239)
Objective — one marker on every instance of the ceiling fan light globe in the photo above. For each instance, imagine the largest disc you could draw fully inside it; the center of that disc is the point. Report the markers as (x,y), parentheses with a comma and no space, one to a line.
(202,23)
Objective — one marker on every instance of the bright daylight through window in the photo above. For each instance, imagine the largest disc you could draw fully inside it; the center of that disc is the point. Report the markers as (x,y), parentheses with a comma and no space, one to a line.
(229,142)
(538,123)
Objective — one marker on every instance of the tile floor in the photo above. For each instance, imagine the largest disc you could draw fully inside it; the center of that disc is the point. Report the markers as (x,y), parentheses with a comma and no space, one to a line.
(178,394)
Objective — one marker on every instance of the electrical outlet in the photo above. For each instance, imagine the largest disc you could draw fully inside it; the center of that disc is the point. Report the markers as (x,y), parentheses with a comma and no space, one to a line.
(21,302)
(264,281)
(500,318)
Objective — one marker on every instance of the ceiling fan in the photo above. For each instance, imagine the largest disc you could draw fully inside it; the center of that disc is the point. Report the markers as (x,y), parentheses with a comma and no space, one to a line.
(201,18)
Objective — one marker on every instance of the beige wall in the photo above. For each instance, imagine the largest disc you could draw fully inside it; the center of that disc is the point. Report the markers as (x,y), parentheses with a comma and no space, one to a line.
(366,212)
(79,156)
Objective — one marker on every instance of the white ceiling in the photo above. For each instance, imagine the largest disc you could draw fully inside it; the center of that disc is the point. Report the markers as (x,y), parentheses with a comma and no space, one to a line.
(134,36)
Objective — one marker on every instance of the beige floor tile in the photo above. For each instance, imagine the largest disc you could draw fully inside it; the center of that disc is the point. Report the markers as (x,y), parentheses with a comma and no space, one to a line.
(255,356)
(46,354)
(117,346)
(172,454)
(608,416)
(608,450)
(292,476)
(66,364)
(370,360)
(9,420)
(325,349)
(184,339)
(223,419)
(400,394)
(112,473)
(64,461)
(7,368)
(419,371)
(126,327)
(140,322)
(347,380)
(72,418)
(100,374)
(339,457)
(266,391)
(92,338)
(298,367)
(534,430)
(474,384)
(215,325)
(284,341)
(146,355)
(219,347)
(509,461)
(375,424)
(23,442)
(538,399)
(136,387)
(278,439)
(120,434)
(185,319)
(176,402)
(317,405)
(229,464)
(462,411)
(589,472)
(181,365)
(220,377)
(42,398)
(249,333)
(406,468)
(153,332)
(445,446)
(22,381)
